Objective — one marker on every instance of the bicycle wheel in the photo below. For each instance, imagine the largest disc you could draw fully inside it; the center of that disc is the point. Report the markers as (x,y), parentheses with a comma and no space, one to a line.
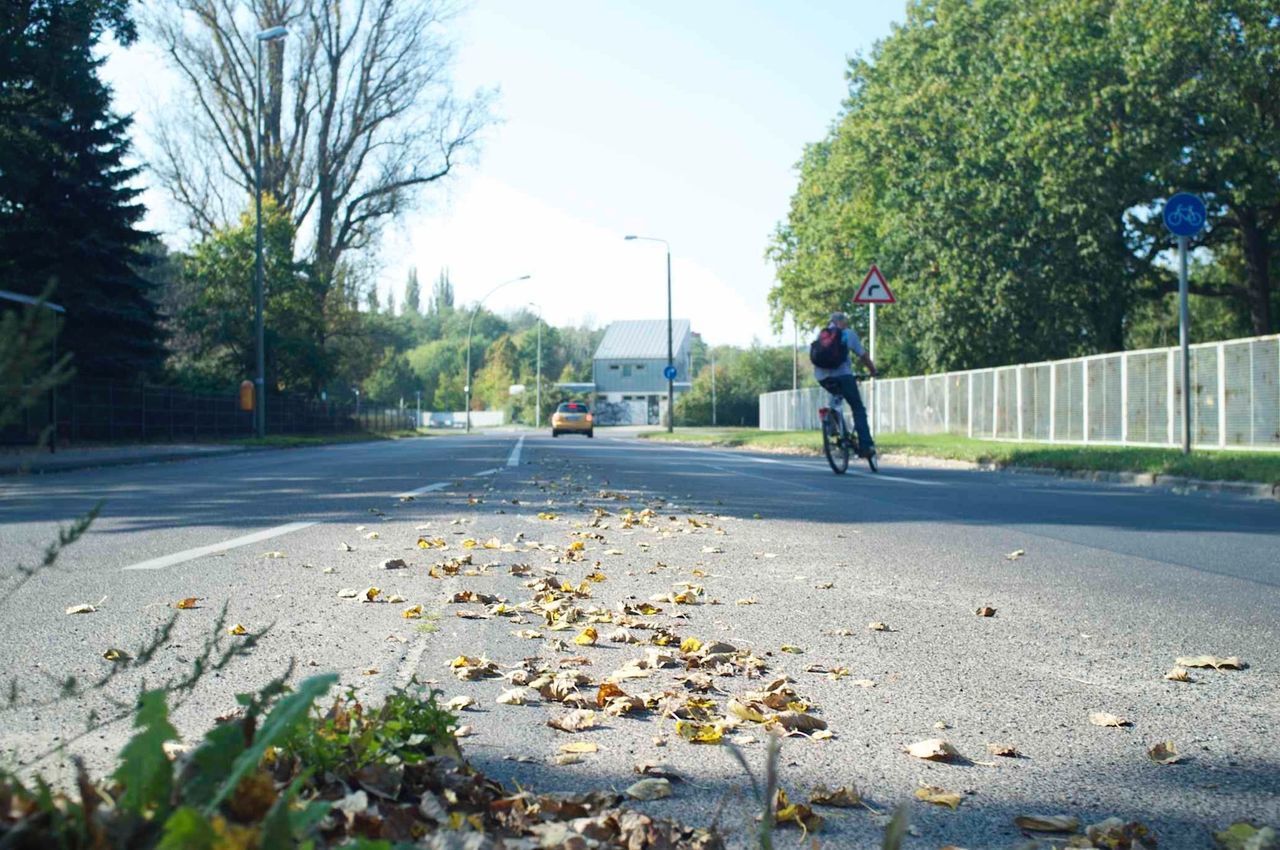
(835,442)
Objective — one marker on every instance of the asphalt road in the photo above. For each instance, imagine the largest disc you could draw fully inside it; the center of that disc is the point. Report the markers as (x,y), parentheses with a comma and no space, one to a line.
(1114,584)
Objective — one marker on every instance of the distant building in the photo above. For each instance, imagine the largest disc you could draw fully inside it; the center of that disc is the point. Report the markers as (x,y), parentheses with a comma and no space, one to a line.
(628,385)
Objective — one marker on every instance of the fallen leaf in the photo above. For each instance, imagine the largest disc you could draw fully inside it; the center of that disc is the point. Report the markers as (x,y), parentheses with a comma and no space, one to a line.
(347,547)
(564,759)
(396,599)
(608,691)
(578,720)
(877,627)
(986,611)
(372,593)
(712,550)
(932,749)
(938,796)
(1015,554)
(699,733)
(580,747)
(273,555)
(587,637)
(528,634)
(1246,836)
(413,612)
(116,655)
(82,609)
(372,535)
(826,585)
(843,797)
(237,630)
(1165,752)
(649,789)
(1178,674)
(1102,718)
(690,645)
(460,702)
(791,648)
(798,721)
(186,604)
(1005,750)
(748,601)
(395,564)
(799,814)
(466,730)
(514,696)
(348,593)
(1230,663)
(1047,823)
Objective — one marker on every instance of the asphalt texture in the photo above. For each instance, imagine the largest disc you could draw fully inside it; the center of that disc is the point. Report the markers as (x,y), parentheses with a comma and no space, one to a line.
(1113,584)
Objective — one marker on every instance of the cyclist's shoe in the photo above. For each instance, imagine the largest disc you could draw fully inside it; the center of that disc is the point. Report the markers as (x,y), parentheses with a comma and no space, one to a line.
(866,453)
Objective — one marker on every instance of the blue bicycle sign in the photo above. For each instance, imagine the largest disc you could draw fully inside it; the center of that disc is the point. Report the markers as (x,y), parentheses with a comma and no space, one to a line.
(1184,214)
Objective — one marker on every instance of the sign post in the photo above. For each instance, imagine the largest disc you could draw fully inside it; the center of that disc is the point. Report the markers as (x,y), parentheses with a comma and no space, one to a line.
(1184,216)
(874,290)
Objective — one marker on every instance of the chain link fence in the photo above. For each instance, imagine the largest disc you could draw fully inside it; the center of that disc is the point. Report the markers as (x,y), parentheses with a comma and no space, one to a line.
(1127,398)
(110,412)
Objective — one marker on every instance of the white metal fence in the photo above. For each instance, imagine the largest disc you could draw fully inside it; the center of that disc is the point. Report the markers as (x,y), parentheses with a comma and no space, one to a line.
(1126,398)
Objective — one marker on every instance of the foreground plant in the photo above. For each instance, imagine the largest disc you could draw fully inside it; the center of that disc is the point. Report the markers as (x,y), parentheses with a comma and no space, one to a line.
(285,773)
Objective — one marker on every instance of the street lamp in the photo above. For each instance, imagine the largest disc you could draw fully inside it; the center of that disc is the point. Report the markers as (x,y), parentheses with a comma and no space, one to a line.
(671,358)
(470,325)
(260,416)
(537,409)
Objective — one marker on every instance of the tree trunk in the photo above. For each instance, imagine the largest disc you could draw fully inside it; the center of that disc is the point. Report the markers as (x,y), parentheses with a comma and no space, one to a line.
(1256,242)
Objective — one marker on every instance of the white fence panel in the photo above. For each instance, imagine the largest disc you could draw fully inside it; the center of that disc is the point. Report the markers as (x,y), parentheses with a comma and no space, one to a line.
(1129,398)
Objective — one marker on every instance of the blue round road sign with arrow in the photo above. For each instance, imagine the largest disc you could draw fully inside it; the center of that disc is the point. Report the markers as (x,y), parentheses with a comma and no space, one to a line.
(669,373)
(1184,214)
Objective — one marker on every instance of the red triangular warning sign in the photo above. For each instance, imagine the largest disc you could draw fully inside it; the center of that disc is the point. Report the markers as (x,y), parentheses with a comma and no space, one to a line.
(874,290)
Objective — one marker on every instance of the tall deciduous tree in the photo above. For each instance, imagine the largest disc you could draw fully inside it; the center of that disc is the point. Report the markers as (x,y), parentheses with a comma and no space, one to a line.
(413,294)
(68,213)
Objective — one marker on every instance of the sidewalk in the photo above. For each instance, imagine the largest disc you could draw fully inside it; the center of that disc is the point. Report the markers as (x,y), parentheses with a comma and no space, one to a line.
(19,461)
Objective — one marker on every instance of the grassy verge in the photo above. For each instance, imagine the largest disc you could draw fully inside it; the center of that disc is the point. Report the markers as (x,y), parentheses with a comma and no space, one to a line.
(297,441)
(1208,465)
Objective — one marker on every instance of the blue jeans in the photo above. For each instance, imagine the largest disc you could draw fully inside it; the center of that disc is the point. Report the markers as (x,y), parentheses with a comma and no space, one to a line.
(845,385)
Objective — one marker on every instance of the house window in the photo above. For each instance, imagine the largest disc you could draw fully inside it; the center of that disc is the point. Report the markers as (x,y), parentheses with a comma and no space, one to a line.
(626,371)
(613,366)
(639,366)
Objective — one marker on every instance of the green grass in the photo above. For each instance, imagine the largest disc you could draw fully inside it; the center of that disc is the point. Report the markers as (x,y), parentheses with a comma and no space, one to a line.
(1207,465)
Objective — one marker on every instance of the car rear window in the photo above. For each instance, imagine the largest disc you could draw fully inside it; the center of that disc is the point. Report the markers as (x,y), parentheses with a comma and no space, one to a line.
(573,407)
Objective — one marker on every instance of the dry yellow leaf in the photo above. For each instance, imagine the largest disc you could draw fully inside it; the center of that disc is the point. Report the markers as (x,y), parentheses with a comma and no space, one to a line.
(699,733)
(528,634)
(744,711)
(460,702)
(470,543)
(237,630)
(493,543)
(578,720)
(413,612)
(396,599)
(932,749)
(186,604)
(372,593)
(690,644)
(877,626)
(1232,662)
(547,515)
(938,796)
(587,637)
(986,611)
(750,600)
(577,546)
(372,535)
(348,593)
(1103,718)
(514,696)
(580,747)
(792,648)
(649,789)
(1178,674)
(1015,554)
(1047,823)
(116,655)
(82,609)
(844,797)
(1005,750)
(1165,752)
(273,555)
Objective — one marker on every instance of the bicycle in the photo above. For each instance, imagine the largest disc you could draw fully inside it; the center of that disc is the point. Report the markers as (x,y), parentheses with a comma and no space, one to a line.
(838,441)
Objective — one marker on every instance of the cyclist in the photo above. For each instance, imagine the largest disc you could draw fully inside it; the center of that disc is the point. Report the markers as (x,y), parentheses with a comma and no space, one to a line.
(839,380)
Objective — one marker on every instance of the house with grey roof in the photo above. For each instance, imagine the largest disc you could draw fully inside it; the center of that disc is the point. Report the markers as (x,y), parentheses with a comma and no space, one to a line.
(629,388)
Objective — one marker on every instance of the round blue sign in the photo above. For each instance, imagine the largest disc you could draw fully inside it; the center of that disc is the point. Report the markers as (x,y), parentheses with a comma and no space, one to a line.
(1184,214)
(669,373)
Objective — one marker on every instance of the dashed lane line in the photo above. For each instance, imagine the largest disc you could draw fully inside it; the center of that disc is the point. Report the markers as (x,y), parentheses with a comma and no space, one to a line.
(234,543)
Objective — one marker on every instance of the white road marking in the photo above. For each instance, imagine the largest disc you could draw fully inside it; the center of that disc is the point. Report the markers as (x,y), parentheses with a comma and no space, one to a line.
(234,543)
(430,488)
(487,472)
(808,467)
(514,460)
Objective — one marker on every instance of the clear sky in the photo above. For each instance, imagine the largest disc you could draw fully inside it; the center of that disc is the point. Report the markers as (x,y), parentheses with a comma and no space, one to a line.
(679,120)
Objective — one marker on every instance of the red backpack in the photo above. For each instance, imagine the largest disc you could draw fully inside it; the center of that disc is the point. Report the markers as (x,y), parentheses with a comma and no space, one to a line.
(828,351)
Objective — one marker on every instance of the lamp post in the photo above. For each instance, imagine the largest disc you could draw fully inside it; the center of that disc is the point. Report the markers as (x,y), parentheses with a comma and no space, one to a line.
(671,359)
(537,409)
(470,325)
(713,385)
(259,402)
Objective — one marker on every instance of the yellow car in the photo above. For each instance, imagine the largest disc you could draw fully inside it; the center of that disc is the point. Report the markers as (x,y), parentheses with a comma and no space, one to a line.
(572,417)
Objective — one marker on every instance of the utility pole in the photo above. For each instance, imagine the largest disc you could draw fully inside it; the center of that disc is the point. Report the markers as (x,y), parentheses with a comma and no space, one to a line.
(713,385)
